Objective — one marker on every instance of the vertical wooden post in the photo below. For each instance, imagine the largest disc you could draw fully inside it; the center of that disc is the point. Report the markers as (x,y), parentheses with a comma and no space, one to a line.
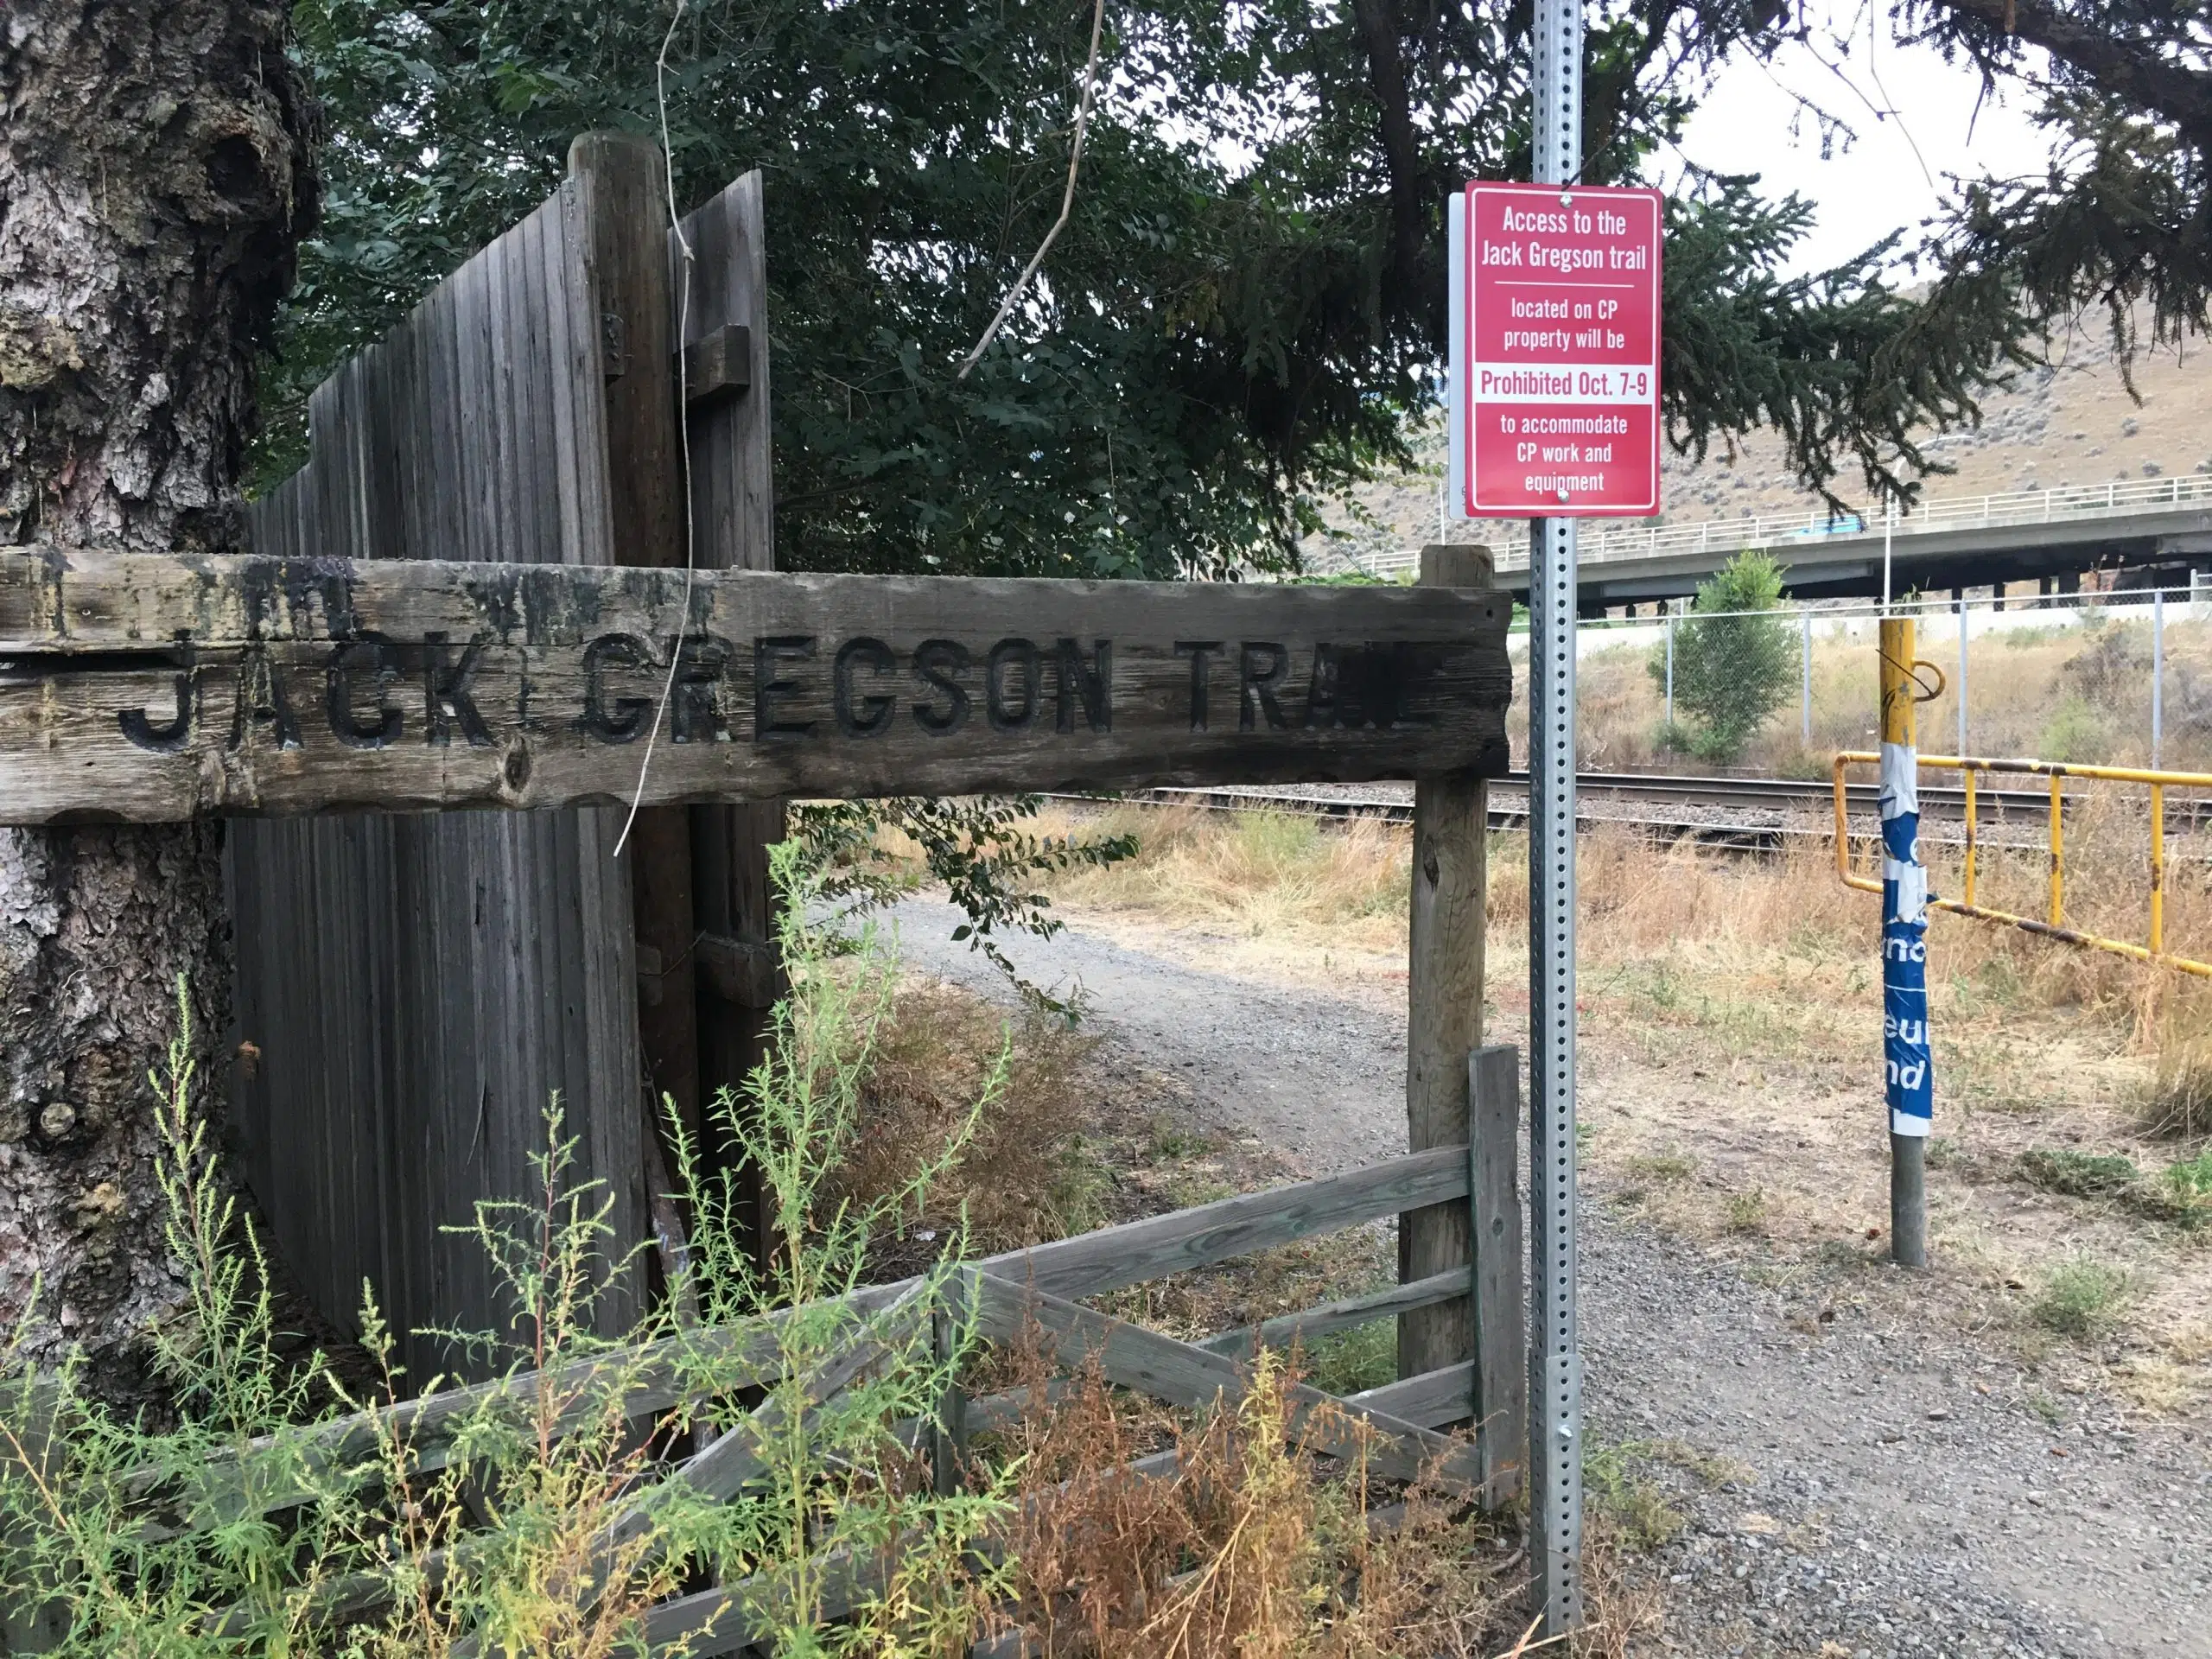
(1443,1011)
(625,218)
(1501,1313)
(719,293)
(949,1432)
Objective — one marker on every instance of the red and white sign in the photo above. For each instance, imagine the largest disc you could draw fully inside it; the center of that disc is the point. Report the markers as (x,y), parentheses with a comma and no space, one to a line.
(1556,365)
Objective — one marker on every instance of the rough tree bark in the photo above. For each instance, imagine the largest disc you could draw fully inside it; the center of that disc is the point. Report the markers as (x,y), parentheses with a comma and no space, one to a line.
(155,178)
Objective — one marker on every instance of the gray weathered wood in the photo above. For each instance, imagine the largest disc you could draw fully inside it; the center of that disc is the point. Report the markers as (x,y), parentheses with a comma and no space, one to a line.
(1432,1399)
(1501,1375)
(1162,1368)
(741,972)
(1444,1001)
(734,1458)
(1037,684)
(1136,1251)
(654,1380)
(719,287)
(624,197)
(417,987)
(717,364)
(1345,1314)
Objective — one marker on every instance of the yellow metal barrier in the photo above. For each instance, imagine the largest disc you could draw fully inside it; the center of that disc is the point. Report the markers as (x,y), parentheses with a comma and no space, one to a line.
(1968,767)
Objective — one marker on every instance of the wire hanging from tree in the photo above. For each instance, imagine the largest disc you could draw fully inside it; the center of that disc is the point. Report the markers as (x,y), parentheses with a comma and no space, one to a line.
(1067,200)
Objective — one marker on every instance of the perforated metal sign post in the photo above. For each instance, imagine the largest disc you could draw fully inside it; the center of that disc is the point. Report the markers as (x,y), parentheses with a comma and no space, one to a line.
(1555,1357)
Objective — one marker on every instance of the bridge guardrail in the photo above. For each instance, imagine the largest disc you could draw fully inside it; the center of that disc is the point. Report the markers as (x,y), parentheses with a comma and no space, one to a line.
(2114,498)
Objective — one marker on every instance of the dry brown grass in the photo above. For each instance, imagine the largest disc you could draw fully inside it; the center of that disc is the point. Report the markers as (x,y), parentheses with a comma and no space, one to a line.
(2176,1102)
(1026,1176)
(1250,873)
(1250,1547)
(1766,947)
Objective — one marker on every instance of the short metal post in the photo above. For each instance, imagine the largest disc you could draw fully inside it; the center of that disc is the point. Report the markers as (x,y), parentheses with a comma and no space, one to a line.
(1962,676)
(1670,665)
(1911,1082)
(2057,849)
(2157,671)
(2158,869)
(1805,658)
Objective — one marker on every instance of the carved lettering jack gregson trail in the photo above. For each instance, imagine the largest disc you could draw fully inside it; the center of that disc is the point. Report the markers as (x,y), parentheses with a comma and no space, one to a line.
(152,689)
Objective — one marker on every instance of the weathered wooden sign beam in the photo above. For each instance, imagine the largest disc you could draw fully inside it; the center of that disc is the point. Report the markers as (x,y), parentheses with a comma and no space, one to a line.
(153,689)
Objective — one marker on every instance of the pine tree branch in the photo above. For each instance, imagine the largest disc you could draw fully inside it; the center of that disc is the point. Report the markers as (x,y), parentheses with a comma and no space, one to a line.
(2132,70)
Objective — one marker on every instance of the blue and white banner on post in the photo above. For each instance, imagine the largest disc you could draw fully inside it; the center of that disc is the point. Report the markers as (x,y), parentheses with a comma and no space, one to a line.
(1905,945)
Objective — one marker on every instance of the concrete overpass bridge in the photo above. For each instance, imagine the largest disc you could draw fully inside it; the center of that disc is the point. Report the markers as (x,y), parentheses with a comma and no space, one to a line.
(2153,530)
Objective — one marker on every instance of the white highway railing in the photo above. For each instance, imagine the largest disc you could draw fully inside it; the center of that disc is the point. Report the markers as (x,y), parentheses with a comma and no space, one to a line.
(1781,533)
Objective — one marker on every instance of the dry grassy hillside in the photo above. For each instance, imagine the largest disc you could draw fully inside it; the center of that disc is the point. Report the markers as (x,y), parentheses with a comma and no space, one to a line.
(2069,423)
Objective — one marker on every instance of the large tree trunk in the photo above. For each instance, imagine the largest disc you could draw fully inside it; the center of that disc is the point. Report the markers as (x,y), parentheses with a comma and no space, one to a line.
(155,178)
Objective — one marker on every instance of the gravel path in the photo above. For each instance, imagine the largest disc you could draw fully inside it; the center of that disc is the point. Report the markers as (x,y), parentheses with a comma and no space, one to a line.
(1856,1482)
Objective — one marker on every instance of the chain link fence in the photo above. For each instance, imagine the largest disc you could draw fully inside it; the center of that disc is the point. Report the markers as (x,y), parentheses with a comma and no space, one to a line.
(2111,679)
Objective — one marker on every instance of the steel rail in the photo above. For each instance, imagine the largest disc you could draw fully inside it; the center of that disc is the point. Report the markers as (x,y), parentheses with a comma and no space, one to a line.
(1810,796)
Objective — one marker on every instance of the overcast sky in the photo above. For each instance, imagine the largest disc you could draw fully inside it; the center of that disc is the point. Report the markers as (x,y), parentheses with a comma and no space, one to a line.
(1894,171)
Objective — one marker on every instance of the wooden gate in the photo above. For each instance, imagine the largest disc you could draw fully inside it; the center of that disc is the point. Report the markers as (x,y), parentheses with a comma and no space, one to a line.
(415,989)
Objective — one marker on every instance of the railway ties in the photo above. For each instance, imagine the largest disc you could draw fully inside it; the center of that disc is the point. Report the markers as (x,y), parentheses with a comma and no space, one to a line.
(1755,815)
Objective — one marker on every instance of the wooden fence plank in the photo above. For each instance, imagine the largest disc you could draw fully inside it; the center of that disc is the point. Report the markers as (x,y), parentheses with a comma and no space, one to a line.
(742,1356)
(1086,1265)
(624,192)
(1343,1315)
(1181,1374)
(419,986)
(718,273)
(795,684)
(1136,1251)
(1431,1399)
(1501,1311)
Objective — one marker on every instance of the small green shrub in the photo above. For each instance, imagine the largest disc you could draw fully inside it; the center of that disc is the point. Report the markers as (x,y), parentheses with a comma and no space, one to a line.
(2078,1174)
(1733,663)
(1659,1167)
(1639,1508)
(1349,1362)
(1277,840)
(2193,1175)
(1747,1212)
(2081,1298)
(2181,1193)
(2075,731)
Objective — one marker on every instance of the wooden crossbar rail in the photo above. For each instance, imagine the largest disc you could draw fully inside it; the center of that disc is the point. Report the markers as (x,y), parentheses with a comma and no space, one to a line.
(1136,1251)
(1182,1374)
(1433,1291)
(159,689)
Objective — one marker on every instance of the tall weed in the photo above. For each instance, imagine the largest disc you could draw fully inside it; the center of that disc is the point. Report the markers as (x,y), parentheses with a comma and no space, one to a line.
(557,1509)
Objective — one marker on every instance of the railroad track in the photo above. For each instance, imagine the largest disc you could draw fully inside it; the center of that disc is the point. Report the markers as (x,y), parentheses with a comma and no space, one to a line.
(1693,808)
